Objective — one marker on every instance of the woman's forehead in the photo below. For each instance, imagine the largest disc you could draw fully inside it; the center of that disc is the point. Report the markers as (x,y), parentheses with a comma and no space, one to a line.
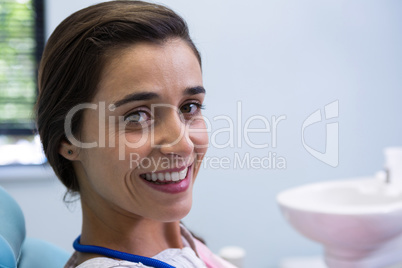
(146,67)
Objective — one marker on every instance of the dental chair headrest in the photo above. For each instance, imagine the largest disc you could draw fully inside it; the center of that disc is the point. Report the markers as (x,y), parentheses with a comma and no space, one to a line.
(12,230)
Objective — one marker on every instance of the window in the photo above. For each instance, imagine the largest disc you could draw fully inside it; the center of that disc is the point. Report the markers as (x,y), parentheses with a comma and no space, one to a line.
(21,45)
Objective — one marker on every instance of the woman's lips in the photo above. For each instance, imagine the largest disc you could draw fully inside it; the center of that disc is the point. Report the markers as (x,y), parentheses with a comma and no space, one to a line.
(169,182)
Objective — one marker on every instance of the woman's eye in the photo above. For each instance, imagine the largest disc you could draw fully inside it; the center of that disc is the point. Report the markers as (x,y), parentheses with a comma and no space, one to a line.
(137,117)
(190,108)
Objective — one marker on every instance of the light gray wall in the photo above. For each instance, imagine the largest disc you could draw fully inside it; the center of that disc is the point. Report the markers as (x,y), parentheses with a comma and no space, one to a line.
(278,58)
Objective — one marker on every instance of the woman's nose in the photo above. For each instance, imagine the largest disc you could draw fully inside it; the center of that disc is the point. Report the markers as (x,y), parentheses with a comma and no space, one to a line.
(172,137)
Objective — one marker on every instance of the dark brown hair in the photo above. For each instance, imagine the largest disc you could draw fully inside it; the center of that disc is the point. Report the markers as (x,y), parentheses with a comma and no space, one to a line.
(75,55)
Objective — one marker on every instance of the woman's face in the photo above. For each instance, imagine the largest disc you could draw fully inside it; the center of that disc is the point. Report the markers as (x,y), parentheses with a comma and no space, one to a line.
(150,135)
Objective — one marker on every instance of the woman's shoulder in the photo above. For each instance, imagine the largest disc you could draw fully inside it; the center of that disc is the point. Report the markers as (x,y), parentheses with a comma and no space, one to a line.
(193,254)
(103,262)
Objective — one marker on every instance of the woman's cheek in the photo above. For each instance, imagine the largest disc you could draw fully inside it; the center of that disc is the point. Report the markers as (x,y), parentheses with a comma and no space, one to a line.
(131,146)
(199,135)
(137,146)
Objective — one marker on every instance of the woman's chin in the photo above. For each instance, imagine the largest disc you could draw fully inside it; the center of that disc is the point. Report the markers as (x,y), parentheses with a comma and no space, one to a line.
(175,214)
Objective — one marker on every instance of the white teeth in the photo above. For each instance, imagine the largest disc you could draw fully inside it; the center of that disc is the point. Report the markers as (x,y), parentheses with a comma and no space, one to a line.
(167,176)
(182,175)
(175,176)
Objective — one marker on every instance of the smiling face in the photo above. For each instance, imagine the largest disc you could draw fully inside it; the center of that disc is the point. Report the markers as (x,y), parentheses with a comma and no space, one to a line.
(153,134)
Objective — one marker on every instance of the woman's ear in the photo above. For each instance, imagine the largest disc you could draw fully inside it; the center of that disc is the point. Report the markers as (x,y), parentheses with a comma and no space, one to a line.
(68,151)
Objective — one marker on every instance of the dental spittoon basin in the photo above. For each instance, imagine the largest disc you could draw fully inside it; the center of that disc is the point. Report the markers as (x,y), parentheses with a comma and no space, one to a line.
(358,221)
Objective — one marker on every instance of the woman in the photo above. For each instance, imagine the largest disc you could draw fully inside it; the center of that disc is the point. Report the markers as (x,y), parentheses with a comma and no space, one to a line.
(119,115)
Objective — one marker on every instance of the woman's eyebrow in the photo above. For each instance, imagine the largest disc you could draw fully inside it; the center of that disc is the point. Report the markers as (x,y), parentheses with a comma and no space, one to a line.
(141,96)
(136,97)
(194,90)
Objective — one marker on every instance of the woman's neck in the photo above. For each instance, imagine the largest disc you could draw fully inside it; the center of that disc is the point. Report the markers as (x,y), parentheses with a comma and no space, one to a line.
(106,227)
